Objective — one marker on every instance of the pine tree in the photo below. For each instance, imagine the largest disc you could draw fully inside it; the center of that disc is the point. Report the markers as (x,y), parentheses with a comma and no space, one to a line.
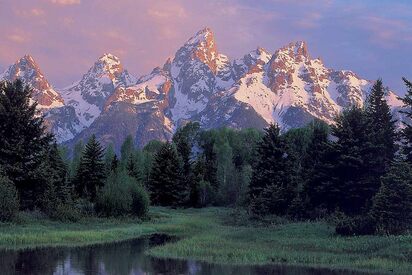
(314,157)
(77,154)
(147,159)
(407,130)
(166,183)
(59,175)
(91,173)
(382,135)
(185,140)
(392,205)
(54,189)
(316,145)
(272,187)
(108,158)
(115,164)
(339,178)
(23,139)
(132,168)
(126,150)
(210,159)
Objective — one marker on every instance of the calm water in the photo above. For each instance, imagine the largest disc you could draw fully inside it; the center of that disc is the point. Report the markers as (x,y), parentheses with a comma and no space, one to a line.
(126,258)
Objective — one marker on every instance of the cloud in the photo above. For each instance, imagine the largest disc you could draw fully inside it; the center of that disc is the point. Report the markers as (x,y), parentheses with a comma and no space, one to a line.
(167,12)
(34,12)
(37,12)
(66,2)
(387,32)
(17,38)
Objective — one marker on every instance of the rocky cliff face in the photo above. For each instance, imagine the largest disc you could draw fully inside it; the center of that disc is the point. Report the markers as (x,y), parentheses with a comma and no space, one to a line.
(288,87)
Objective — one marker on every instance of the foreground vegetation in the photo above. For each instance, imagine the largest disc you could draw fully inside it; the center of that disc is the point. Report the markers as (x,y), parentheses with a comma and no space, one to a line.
(209,234)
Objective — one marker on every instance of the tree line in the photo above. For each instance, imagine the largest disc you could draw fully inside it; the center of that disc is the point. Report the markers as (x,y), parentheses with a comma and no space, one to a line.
(356,171)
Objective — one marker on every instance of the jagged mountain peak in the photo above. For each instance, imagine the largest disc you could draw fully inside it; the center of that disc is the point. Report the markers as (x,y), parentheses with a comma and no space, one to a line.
(201,47)
(25,67)
(297,50)
(262,51)
(29,72)
(89,95)
(260,54)
(27,59)
(205,34)
(251,62)
(108,64)
(109,59)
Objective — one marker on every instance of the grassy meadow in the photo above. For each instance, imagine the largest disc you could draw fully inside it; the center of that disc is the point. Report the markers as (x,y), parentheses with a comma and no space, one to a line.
(209,235)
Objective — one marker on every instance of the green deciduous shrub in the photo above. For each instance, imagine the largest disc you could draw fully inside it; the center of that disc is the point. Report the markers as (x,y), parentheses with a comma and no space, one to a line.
(66,213)
(140,199)
(122,195)
(9,202)
(359,225)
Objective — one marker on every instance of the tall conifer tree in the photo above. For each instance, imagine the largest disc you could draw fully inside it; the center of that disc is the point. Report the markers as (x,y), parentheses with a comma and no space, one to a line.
(23,139)
(126,150)
(272,187)
(381,128)
(133,169)
(91,173)
(339,178)
(407,130)
(392,205)
(166,184)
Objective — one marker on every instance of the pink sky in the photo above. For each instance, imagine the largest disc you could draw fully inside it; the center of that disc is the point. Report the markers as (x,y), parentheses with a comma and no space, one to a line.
(67,36)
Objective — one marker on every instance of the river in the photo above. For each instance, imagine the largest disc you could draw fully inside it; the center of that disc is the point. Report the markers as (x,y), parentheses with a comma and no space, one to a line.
(128,257)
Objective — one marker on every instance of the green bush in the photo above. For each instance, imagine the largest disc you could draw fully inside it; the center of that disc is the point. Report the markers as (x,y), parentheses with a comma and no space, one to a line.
(66,212)
(9,201)
(122,195)
(353,226)
(84,207)
(140,199)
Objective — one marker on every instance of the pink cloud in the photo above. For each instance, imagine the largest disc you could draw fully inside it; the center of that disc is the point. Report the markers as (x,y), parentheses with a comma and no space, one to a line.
(34,12)
(17,38)
(384,31)
(66,2)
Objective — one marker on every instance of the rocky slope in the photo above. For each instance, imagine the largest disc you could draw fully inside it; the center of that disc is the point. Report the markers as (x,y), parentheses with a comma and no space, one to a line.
(287,87)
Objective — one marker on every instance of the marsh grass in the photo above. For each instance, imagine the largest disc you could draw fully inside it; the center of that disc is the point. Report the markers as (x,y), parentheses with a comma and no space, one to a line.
(210,235)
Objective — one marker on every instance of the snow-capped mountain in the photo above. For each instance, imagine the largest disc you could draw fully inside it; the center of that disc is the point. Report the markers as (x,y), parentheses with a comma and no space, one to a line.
(199,83)
(59,118)
(29,72)
(89,95)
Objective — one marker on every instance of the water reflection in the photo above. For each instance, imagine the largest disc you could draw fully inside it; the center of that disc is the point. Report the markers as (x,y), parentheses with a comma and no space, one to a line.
(127,258)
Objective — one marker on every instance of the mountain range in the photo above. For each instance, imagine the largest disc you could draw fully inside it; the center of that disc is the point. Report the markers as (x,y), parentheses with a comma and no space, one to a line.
(198,83)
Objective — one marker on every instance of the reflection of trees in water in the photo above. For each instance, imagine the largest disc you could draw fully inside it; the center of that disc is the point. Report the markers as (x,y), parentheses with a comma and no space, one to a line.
(34,261)
(127,258)
(116,258)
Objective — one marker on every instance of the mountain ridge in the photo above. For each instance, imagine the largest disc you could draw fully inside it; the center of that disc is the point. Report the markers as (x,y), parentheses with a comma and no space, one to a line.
(199,83)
